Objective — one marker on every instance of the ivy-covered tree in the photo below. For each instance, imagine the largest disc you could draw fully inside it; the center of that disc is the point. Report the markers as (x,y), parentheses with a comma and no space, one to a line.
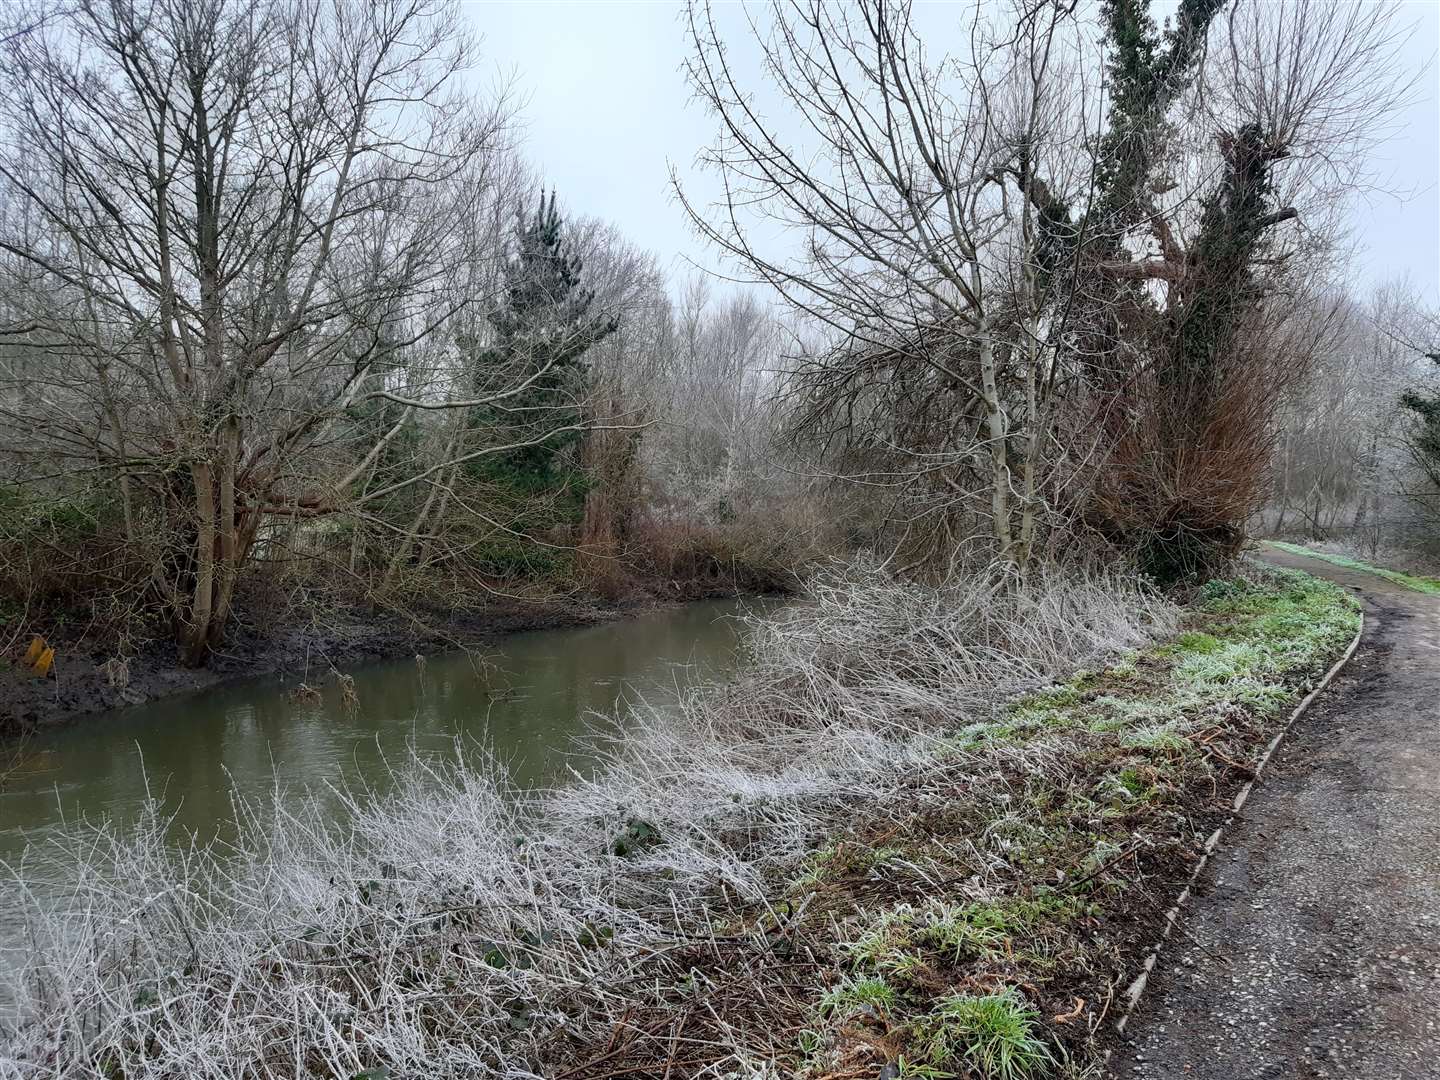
(1147,70)
(1423,443)
(541,334)
(1191,440)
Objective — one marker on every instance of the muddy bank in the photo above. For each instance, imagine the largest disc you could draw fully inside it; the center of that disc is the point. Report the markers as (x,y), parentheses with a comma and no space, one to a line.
(86,681)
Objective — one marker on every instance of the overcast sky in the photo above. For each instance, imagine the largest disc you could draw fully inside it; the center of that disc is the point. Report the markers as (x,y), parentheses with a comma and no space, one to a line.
(607,113)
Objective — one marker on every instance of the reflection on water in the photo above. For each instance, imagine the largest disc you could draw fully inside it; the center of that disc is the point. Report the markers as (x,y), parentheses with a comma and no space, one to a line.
(198,752)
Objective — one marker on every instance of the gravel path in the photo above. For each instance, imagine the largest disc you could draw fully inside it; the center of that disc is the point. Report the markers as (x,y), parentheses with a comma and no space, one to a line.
(1313,948)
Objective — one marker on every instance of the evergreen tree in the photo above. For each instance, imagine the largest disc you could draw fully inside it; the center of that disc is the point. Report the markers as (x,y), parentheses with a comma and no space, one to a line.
(541,333)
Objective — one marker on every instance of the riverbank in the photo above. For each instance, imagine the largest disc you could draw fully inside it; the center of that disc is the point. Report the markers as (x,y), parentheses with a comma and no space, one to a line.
(913,838)
(87,680)
(998,914)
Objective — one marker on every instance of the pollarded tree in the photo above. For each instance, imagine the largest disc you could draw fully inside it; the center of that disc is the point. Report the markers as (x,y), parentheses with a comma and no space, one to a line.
(1207,243)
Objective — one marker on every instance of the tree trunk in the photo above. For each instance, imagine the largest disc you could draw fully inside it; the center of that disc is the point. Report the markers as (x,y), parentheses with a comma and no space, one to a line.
(194,632)
(999,463)
(228,570)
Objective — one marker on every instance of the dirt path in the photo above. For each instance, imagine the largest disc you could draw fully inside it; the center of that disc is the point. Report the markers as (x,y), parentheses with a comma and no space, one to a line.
(1313,948)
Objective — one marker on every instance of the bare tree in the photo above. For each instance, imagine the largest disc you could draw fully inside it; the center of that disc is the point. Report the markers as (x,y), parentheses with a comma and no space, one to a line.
(625,372)
(1341,461)
(229,226)
(916,198)
(712,455)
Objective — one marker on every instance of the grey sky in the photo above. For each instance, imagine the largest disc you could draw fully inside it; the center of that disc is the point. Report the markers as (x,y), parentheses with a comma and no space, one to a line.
(607,112)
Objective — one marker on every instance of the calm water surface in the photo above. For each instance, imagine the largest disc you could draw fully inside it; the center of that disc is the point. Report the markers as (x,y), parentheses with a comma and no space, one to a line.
(256,737)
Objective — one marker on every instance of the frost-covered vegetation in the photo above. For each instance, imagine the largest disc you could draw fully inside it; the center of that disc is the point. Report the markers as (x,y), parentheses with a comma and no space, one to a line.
(1033,298)
(864,817)
(454,927)
(1023,877)
(1339,558)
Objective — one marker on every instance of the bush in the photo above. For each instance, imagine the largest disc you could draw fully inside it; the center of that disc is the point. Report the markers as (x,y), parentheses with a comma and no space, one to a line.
(65,558)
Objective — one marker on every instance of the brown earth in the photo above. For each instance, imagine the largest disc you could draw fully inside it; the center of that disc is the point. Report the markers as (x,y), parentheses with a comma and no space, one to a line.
(81,684)
(1313,946)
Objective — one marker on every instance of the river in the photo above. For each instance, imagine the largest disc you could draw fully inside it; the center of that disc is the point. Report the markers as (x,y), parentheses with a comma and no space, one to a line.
(528,701)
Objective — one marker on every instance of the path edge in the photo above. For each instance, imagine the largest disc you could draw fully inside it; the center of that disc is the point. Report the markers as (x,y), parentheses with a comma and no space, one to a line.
(1136,990)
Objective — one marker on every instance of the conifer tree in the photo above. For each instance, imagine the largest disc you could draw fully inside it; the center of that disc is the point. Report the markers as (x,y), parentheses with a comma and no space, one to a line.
(541,334)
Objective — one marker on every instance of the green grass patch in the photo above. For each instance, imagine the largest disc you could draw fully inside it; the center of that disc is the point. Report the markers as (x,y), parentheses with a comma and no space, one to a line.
(978,933)
(865,992)
(1193,643)
(991,1035)
(843,859)
(1248,644)
(896,939)
(910,947)
(1410,581)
